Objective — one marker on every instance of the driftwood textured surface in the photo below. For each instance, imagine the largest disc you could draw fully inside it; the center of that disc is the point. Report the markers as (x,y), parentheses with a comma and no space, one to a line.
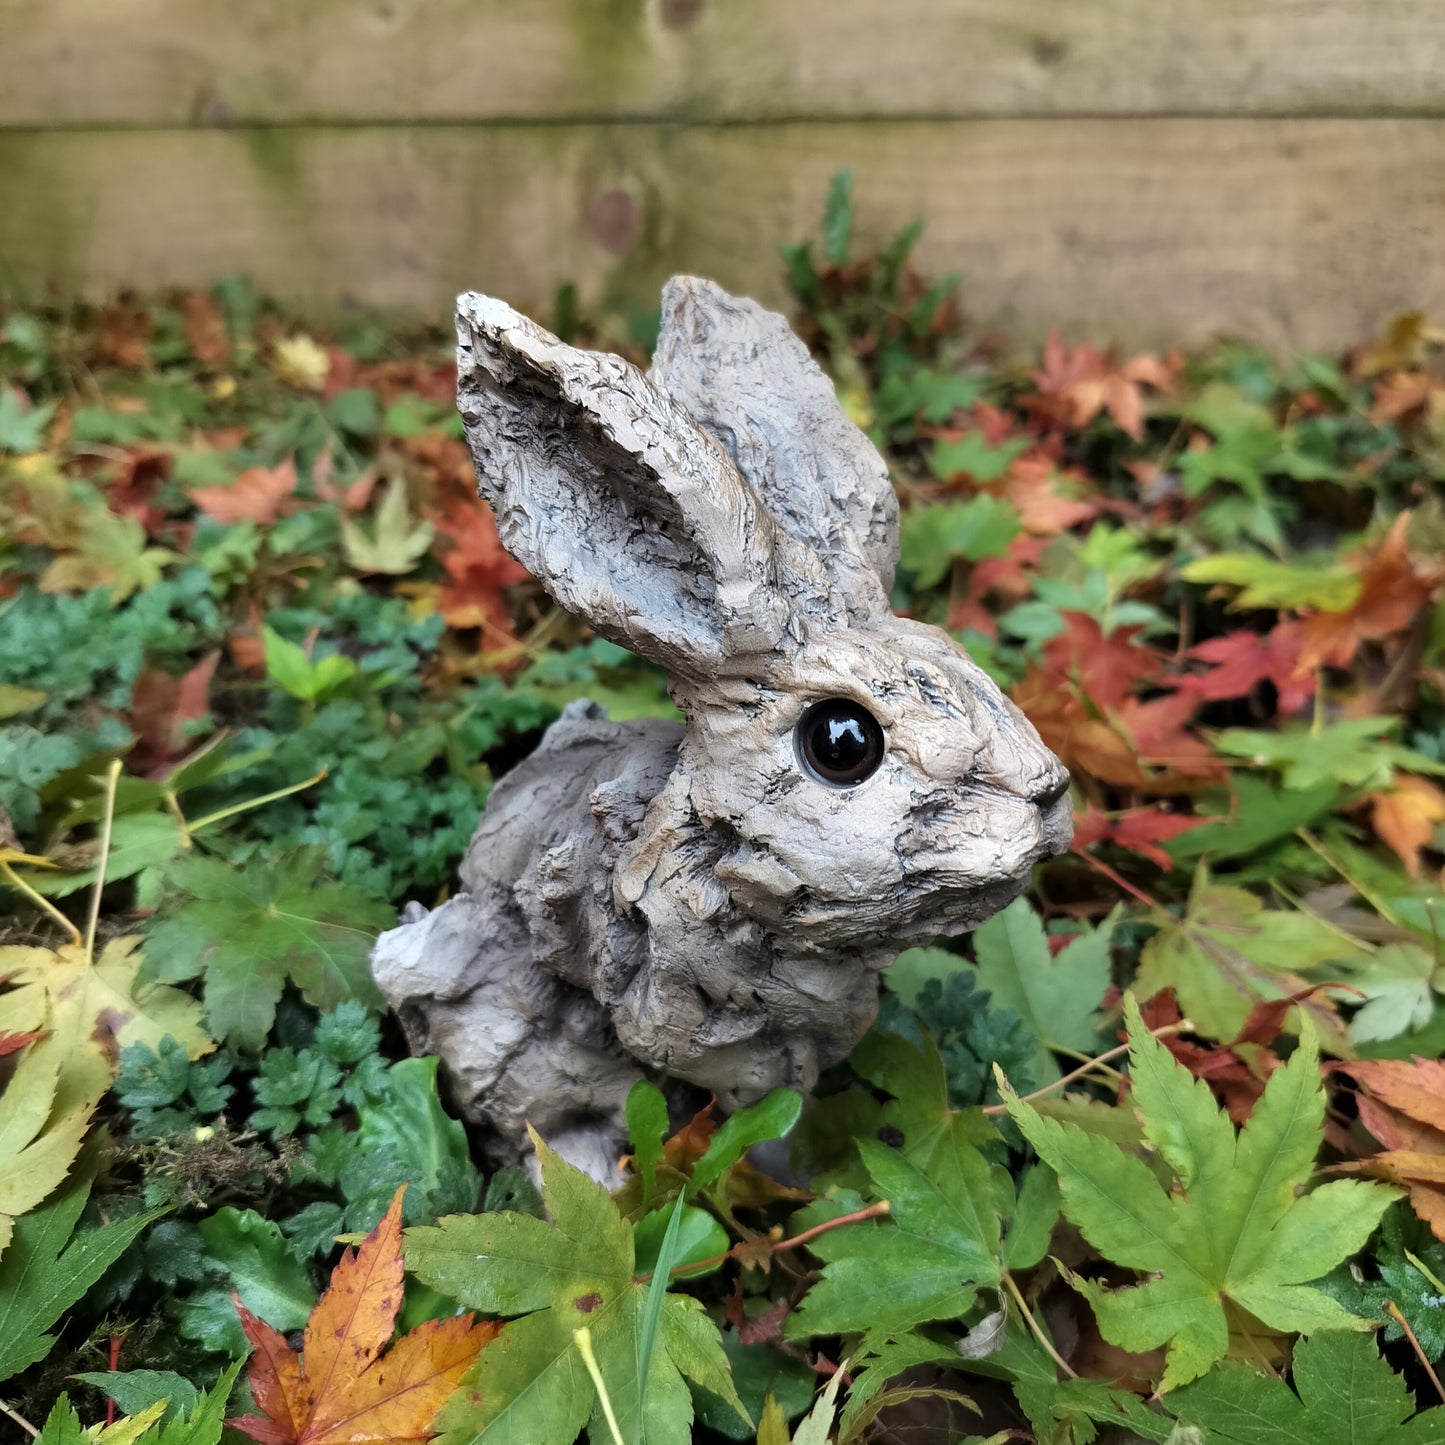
(709,902)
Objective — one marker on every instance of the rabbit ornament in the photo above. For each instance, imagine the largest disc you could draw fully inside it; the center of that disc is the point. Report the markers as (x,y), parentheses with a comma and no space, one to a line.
(709,900)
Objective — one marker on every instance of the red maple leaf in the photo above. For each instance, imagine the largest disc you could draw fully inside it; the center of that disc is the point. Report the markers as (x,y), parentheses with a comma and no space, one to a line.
(161,705)
(1136,830)
(259,494)
(1243,660)
(479,568)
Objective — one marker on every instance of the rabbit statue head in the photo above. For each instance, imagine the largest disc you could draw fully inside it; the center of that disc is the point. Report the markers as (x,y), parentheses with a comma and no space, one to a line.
(713,900)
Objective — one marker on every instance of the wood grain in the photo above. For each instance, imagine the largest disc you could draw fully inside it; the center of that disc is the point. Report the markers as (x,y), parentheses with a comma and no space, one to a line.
(1310,232)
(201,62)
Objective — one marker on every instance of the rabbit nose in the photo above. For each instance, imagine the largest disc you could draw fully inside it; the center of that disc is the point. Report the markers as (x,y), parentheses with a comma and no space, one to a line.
(1050,793)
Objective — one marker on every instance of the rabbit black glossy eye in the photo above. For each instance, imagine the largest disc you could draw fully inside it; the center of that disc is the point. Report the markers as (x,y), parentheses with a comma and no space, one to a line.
(839,741)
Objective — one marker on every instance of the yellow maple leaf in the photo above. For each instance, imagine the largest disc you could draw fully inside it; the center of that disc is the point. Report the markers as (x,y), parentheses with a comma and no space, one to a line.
(300,361)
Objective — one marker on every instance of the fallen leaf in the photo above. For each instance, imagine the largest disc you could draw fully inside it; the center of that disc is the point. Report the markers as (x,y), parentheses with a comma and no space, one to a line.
(1405,817)
(1136,830)
(396,543)
(1075,386)
(161,706)
(301,362)
(259,494)
(205,329)
(342,1388)
(478,567)
(1393,592)
(1242,660)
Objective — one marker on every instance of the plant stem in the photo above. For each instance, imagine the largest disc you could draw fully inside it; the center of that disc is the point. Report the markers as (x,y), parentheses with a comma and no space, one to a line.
(1116,878)
(250,803)
(40,901)
(1036,1329)
(112,779)
(1395,1313)
(1184,1026)
(20,1420)
(873,1211)
(583,1340)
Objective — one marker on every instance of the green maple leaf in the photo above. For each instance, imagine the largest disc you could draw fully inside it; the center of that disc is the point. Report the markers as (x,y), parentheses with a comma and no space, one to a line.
(1359,752)
(396,545)
(250,930)
(1305,581)
(931,537)
(48,1267)
(529,1384)
(1229,952)
(1056,997)
(1232,1233)
(1347,1395)
(944,1237)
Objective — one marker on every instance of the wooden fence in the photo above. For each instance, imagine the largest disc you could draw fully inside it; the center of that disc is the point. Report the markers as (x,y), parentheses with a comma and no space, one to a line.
(1139,169)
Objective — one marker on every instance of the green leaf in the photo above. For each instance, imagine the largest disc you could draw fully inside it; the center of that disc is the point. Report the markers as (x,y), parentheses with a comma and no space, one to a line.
(769,1118)
(838,218)
(699,1236)
(1057,998)
(21,429)
(411,1123)
(1308,581)
(939,1244)
(972,456)
(137,1390)
(308,679)
(1347,1395)
(646,1128)
(931,537)
(253,1254)
(47,1267)
(248,931)
(1254,815)
(578,1270)
(396,544)
(1234,1231)
(1356,752)
(1229,952)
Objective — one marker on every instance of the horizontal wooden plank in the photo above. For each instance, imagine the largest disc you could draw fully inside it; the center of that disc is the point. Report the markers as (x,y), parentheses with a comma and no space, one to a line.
(1310,232)
(201,62)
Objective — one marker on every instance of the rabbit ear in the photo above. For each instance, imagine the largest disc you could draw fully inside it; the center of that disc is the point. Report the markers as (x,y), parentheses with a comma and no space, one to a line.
(608,492)
(751,382)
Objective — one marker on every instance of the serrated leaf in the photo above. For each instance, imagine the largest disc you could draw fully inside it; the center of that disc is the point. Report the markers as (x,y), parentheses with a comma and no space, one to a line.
(395,544)
(1229,952)
(93,1009)
(1347,1395)
(1233,1232)
(248,931)
(578,1270)
(1057,998)
(48,1267)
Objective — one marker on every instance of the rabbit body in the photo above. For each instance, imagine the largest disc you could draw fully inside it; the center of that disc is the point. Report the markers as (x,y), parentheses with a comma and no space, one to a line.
(707,902)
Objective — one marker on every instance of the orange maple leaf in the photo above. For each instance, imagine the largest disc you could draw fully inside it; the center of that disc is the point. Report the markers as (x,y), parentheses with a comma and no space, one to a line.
(341,1388)
(479,568)
(1243,660)
(1075,386)
(160,707)
(1136,830)
(1404,1108)
(1405,817)
(259,494)
(1393,592)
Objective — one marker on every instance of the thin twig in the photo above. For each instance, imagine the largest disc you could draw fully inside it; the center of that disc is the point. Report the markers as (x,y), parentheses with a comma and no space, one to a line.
(20,1420)
(17,882)
(1396,1314)
(873,1211)
(1184,1026)
(1116,878)
(1036,1329)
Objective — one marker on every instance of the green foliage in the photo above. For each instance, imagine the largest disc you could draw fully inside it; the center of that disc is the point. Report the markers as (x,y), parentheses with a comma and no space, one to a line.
(1235,1234)
(251,931)
(1347,1395)
(48,1266)
(553,1279)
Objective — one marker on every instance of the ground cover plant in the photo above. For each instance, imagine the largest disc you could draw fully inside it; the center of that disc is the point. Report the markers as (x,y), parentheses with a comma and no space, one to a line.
(1158,1153)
